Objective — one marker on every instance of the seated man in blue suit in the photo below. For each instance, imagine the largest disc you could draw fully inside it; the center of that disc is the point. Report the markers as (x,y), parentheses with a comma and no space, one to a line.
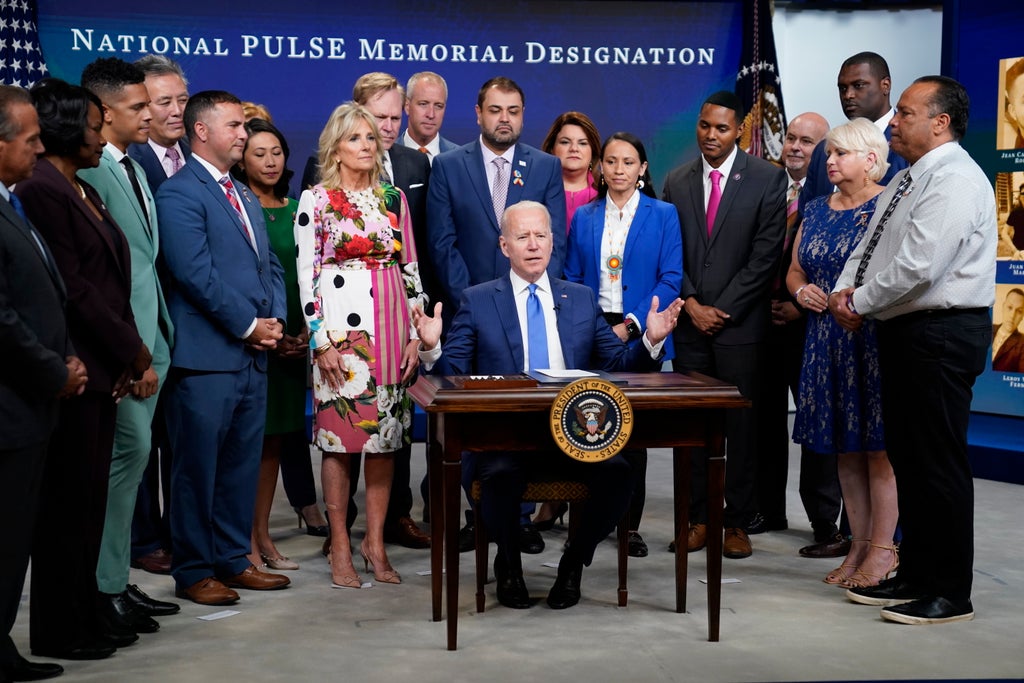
(524,321)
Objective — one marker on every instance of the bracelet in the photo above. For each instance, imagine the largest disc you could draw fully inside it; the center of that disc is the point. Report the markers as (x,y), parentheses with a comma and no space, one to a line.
(796,294)
(321,350)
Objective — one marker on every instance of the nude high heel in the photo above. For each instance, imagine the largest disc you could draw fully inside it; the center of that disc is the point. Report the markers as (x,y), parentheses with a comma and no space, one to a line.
(385,574)
(841,574)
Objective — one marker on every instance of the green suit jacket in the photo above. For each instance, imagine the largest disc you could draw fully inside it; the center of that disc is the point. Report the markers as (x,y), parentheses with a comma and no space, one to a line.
(147,298)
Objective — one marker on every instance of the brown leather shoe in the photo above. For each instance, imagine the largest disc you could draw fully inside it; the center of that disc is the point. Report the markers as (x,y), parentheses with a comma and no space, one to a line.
(697,538)
(209,591)
(404,532)
(835,546)
(255,580)
(156,562)
(736,544)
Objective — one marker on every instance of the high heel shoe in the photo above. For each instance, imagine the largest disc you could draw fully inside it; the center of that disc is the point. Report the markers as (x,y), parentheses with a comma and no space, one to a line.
(385,574)
(841,574)
(280,563)
(344,580)
(549,523)
(311,529)
(863,579)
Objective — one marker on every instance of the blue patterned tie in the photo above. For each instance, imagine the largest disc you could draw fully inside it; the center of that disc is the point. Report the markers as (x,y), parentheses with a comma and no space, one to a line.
(536,331)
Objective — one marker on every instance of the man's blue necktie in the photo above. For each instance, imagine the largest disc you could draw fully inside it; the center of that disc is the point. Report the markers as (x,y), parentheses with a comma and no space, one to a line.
(18,208)
(536,331)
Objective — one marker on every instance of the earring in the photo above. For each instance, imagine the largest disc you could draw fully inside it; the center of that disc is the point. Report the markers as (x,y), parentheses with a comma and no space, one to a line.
(640,184)
(600,180)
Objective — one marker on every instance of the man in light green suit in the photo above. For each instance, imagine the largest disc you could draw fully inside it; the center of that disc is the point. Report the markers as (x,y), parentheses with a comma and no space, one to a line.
(122,185)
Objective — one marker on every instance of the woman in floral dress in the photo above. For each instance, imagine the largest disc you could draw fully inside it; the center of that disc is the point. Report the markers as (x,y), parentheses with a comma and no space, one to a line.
(358,278)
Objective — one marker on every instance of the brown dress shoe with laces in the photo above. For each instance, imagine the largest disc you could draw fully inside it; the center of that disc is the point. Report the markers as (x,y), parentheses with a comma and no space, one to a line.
(255,580)
(697,538)
(405,533)
(736,544)
(156,562)
(208,591)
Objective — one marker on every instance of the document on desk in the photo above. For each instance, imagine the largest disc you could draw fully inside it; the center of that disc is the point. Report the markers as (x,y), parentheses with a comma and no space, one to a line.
(566,374)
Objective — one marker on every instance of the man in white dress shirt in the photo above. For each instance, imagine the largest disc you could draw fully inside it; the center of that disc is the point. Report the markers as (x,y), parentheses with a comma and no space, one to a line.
(426,98)
(925,271)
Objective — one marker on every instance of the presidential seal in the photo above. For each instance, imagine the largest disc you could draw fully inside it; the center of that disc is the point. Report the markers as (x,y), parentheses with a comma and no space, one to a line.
(591,420)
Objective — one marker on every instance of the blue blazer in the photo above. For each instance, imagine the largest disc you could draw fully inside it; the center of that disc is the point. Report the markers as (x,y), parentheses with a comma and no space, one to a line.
(155,173)
(218,284)
(485,336)
(462,230)
(652,261)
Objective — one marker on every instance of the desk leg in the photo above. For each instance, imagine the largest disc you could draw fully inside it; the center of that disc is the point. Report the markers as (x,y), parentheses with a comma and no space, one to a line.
(452,503)
(716,506)
(435,475)
(681,495)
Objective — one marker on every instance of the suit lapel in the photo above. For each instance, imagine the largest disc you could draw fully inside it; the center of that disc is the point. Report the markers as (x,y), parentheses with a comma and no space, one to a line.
(474,161)
(637,228)
(594,233)
(560,294)
(122,181)
(220,197)
(517,175)
(732,189)
(695,183)
(35,241)
(505,305)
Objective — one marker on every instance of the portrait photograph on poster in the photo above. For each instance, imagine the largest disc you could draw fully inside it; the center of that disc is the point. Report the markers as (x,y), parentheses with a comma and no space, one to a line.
(1011,104)
(1007,334)
(1010,213)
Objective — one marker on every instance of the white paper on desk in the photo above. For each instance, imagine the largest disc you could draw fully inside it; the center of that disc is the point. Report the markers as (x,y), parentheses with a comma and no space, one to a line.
(723,581)
(223,614)
(425,572)
(567,374)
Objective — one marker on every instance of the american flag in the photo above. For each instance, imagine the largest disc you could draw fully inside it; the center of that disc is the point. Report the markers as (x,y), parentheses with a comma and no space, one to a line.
(21,58)
(758,84)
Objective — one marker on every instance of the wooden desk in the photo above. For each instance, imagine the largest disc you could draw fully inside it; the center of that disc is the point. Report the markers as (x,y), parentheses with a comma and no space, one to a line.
(670,410)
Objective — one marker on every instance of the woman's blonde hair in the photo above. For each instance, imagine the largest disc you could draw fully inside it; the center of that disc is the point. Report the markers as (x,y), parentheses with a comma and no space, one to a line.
(861,136)
(342,122)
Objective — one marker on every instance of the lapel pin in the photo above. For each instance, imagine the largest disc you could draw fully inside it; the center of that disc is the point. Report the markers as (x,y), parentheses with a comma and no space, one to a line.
(736,176)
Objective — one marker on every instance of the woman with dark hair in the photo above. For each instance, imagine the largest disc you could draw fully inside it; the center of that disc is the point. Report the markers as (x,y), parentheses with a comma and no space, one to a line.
(573,138)
(264,168)
(68,617)
(358,280)
(628,248)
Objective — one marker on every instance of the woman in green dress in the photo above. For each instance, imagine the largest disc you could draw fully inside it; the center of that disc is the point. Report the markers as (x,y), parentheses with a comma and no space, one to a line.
(264,169)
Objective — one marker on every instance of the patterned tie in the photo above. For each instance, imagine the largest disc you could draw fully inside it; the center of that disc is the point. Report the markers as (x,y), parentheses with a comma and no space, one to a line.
(715,199)
(792,209)
(136,187)
(175,157)
(901,190)
(536,331)
(229,190)
(499,191)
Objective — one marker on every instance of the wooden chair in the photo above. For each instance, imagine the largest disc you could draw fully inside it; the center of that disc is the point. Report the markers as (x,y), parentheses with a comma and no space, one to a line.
(573,492)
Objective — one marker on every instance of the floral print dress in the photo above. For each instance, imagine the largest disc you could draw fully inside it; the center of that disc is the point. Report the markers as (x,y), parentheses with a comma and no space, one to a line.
(358,279)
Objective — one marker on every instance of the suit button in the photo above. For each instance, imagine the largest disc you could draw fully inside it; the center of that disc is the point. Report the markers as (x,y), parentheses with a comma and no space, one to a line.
(265,302)
(707,265)
(259,270)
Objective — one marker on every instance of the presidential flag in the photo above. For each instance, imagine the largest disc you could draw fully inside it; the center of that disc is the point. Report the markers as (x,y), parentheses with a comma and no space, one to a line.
(759,86)
(22,59)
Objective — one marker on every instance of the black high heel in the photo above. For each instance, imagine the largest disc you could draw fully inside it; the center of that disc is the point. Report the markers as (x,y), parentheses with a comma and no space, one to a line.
(312,530)
(549,523)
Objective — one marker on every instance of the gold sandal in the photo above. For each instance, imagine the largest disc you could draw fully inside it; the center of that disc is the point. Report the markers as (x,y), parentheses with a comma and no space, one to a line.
(841,574)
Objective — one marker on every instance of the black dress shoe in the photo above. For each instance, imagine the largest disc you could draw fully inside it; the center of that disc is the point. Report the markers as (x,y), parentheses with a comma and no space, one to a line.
(930,611)
(757,525)
(147,605)
(467,534)
(24,670)
(836,545)
(566,591)
(511,588)
(530,540)
(636,546)
(116,640)
(92,650)
(894,591)
(119,610)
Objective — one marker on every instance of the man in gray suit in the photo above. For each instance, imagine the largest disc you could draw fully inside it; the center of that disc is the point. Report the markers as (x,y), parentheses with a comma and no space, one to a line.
(732,209)
(39,367)
(121,183)
(426,98)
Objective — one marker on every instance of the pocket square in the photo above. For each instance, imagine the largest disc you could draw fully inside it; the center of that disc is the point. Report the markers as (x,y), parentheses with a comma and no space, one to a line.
(413,186)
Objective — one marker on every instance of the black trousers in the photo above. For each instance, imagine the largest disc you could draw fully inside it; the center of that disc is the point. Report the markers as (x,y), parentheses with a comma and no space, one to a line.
(819,476)
(69,527)
(21,475)
(503,478)
(929,361)
(740,366)
(297,470)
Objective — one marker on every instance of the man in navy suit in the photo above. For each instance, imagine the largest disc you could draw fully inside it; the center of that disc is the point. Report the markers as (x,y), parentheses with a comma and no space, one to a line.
(426,97)
(864,86)
(161,156)
(494,333)
(730,256)
(227,302)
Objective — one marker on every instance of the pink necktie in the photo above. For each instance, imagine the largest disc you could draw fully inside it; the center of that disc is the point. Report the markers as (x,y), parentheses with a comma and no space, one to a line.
(715,199)
(172,154)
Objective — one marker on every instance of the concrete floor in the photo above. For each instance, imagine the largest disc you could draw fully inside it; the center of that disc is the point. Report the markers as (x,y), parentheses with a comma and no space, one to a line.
(779,623)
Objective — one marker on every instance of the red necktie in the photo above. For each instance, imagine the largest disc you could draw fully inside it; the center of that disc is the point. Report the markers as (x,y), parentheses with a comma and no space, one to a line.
(715,199)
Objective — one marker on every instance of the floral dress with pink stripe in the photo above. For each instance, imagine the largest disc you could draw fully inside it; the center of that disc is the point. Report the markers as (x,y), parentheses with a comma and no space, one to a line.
(358,280)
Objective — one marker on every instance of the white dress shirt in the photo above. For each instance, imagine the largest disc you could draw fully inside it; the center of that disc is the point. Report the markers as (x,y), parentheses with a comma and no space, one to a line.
(433,147)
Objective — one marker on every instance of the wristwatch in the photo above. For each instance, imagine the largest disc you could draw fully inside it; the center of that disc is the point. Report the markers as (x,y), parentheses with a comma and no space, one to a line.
(632,329)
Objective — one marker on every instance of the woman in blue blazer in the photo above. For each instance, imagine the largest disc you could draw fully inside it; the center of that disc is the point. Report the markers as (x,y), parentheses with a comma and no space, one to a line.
(627,246)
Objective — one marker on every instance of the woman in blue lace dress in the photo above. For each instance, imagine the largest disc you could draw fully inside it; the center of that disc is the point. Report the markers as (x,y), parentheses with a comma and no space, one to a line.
(839,409)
